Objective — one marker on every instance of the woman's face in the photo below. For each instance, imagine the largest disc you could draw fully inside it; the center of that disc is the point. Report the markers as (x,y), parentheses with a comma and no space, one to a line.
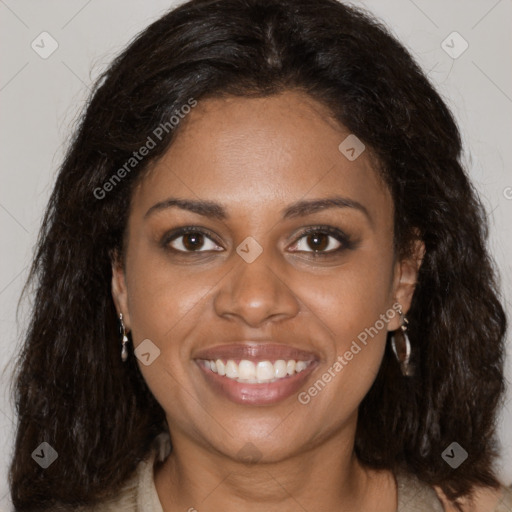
(247,284)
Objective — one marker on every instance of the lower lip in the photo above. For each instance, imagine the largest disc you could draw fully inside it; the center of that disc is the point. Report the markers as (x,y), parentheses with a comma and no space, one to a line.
(257,394)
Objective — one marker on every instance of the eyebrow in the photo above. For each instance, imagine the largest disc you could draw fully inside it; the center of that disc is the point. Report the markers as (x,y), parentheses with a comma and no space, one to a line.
(299,209)
(307,207)
(201,207)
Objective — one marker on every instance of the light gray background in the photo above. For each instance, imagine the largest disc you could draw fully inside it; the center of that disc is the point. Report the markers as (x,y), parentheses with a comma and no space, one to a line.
(40,100)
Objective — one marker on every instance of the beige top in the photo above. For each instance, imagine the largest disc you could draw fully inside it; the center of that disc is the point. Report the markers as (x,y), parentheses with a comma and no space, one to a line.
(139,493)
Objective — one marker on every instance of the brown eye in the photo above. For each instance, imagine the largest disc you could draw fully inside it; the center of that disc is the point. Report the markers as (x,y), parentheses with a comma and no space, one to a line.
(317,242)
(191,241)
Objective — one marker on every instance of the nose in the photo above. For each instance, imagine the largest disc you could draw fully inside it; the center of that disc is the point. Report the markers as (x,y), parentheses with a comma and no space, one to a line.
(256,293)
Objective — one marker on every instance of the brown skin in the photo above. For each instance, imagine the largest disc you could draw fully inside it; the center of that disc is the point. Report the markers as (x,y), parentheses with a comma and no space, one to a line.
(256,157)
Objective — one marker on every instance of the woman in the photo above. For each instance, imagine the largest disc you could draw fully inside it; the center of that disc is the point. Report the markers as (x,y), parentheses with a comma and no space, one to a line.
(262,281)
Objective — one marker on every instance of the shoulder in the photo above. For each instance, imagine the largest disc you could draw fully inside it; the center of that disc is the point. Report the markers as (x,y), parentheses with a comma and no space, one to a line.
(138,494)
(125,500)
(485,499)
(415,495)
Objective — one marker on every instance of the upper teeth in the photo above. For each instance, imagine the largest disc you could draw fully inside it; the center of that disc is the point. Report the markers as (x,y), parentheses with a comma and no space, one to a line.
(259,372)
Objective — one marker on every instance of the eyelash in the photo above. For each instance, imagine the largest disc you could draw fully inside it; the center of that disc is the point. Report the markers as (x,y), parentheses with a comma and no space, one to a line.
(337,234)
(186,230)
(341,237)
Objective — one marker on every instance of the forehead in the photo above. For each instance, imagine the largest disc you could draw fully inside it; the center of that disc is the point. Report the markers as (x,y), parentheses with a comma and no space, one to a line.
(250,152)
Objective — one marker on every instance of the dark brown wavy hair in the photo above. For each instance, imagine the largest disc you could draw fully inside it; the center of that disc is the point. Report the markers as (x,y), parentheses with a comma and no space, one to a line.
(71,388)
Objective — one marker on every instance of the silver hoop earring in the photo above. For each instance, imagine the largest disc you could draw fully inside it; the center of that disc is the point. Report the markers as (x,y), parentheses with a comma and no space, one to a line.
(401,346)
(124,349)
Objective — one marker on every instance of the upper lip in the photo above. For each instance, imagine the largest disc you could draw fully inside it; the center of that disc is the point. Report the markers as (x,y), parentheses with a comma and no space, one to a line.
(255,351)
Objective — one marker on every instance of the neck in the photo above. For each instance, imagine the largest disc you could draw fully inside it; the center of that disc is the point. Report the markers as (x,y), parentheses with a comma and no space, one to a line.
(325,477)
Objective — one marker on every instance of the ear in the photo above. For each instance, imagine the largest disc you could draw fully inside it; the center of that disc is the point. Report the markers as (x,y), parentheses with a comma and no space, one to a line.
(405,279)
(119,290)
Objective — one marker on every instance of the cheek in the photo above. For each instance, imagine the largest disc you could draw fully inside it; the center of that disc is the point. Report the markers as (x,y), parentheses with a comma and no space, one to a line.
(350,298)
(352,306)
(161,296)
(164,304)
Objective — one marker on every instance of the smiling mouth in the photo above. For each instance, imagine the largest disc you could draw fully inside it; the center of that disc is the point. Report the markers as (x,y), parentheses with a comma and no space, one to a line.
(255,372)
